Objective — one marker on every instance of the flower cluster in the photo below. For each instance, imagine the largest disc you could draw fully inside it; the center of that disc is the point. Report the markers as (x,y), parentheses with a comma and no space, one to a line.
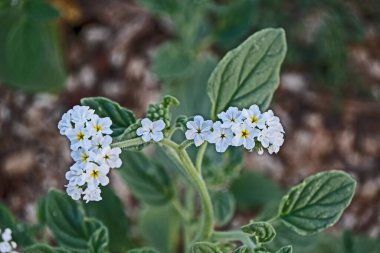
(151,130)
(7,245)
(249,128)
(90,140)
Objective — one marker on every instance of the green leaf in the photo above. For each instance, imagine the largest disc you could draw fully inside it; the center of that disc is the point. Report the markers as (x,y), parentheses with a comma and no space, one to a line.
(40,10)
(147,180)
(317,203)
(30,55)
(42,248)
(65,218)
(262,231)
(98,241)
(266,191)
(20,232)
(160,227)
(121,117)
(143,250)
(285,249)
(249,74)
(219,169)
(203,247)
(242,249)
(110,212)
(224,206)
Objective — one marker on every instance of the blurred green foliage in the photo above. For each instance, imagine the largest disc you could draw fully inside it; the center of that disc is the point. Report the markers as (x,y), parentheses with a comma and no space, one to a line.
(30,56)
(320,36)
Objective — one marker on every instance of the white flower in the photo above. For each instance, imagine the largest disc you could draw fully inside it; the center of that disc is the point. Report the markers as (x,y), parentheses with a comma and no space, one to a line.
(230,117)
(271,136)
(253,117)
(7,235)
(65,123)
(264,137)
(82,156)
(273,121)
(273,149)
(110,157)
(198,130)
(151,130)
(99,125)
(79,137)
(99,142)
(244,135)
(81,114)
(75,175)
(74,191)
(96,175)
(7,246)
(221,137)
(92,193)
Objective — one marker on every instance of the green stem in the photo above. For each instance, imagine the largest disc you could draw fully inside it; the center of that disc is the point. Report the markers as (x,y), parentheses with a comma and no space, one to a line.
(172,131)
(208,214)
(170,144)
(199,160)
(128,143)
(186,144)
(185,215)
(235,235)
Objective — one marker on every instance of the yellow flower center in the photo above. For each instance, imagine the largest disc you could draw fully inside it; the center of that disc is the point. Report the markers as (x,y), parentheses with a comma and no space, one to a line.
(106,157)
(85,157)
(244,133)
(199,131)
(223,136)
(80,136)
(254,119)
(98,128)
(95,174)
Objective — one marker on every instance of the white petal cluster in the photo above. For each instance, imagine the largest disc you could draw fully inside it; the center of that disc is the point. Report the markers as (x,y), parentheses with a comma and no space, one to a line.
(90,140)
(151,130)
(248,128)
(6,243)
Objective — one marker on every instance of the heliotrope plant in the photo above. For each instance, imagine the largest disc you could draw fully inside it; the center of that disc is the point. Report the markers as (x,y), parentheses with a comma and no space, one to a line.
(104,135)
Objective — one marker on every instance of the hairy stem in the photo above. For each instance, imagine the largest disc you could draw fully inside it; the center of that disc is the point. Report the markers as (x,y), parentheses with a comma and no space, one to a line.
(185,215)
(200,155)
(128,143)
(208,214)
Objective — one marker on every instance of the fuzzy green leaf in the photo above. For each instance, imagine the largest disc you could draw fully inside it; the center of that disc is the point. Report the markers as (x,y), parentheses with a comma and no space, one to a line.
(224,206)
(98,242)
(43,248)
(71,229)
(249,74)
(30,55)
(20,232)
(110,212)
(121,117)
(285,249)
(160,227)
(242,249)
(317,203)
(143,250)
(204,247)
(262,231)
(147,180)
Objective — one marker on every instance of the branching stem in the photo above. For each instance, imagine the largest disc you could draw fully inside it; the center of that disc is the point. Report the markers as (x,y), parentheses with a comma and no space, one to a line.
(235,235)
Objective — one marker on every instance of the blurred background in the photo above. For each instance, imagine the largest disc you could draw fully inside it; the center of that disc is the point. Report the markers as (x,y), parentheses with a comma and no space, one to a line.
(53,53)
